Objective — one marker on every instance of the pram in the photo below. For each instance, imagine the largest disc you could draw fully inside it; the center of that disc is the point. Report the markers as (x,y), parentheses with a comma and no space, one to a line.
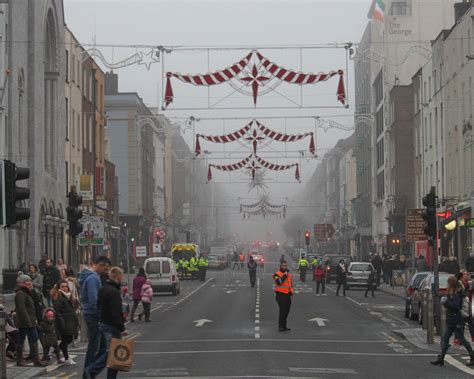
(125,303)
(12,335)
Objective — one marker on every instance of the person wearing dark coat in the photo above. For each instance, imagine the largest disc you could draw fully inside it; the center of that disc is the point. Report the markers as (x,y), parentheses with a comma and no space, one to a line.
(252,266)
(470,263)
(341,278)
(371,284)
(377,263)
(42,264)
(50,335)
(26,320)
(50,277)
(138,283)
(65,317)
(454,321)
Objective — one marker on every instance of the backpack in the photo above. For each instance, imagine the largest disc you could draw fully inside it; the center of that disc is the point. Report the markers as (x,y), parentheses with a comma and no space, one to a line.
(465,307)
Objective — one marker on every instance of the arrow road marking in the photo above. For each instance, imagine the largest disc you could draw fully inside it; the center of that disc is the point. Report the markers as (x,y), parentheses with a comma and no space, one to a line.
(320,321)
(201,322)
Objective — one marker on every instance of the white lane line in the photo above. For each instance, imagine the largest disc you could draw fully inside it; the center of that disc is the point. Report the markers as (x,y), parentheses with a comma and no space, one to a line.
(347,297)
(257,328)
(454,362)
(158,307)
(191,293)
(257,311)
(257,336)
(257,321)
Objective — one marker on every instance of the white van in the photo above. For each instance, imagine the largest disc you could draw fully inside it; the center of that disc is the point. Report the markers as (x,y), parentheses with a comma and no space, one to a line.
(163,275)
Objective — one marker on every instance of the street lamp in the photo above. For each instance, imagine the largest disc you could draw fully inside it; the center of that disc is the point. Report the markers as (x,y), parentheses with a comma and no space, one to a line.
(128,255)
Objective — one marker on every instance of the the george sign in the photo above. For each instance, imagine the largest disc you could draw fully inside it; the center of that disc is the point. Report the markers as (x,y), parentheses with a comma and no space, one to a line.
(156,248)
(415,225)
(93,231)
(140,251)
(469,223)
(323,232)
(86,189)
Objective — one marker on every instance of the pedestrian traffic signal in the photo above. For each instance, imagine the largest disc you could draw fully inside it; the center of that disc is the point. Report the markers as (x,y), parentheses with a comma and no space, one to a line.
(307,236)
(74,214)
(13,193)
(429,215)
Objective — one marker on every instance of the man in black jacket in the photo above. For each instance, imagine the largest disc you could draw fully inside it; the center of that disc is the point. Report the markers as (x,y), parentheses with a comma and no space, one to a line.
(50,278)
(111,322)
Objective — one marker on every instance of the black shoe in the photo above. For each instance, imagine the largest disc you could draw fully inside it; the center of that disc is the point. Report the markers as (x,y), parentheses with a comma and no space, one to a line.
(286,329)
(438,362)
(365,295)
(281,329)
(471,362)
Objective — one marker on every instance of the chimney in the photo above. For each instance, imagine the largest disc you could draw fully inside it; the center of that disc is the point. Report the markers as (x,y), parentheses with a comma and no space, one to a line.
(460,9)
(111,83)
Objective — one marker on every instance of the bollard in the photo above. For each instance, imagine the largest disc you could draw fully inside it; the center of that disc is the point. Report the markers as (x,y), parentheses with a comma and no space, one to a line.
(429,320)
(424,299)
(442,322)
(3,359)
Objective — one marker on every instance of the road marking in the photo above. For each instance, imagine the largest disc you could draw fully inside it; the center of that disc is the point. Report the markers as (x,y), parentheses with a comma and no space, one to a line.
(192,292)
(389,337)
(231,291)
(320,370)
(200,341)
(132,336)
(454,362)
(257,311)
(257,328)
(158,307)
(257,321)
(320,321)
(201,322)
(347,297)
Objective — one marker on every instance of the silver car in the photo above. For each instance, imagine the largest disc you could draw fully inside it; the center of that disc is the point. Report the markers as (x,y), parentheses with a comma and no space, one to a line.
(358,273)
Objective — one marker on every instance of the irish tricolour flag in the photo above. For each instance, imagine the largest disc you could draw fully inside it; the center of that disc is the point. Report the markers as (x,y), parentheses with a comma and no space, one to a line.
(379,10)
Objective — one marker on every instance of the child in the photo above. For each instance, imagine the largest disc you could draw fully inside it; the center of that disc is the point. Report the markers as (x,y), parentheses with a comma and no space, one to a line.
(147,297)
(125,304)
(48,327)
(320,277)
(12,334)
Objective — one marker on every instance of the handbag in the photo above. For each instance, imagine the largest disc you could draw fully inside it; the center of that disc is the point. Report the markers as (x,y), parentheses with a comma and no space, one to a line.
(120,355)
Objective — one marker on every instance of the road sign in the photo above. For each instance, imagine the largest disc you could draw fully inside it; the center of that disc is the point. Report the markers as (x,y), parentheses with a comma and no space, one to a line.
(140,251)
(319,321)
(93,231)
(323,232)
(415,225)
(469,223)
(201,322)
(156,248)
(86,187)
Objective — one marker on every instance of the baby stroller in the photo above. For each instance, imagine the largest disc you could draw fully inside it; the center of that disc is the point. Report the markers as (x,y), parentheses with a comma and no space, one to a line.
(12,335)
(125,304)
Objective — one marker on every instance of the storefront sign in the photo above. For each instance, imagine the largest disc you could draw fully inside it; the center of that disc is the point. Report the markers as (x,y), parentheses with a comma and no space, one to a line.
(93,231)
(140,251)
(415,225)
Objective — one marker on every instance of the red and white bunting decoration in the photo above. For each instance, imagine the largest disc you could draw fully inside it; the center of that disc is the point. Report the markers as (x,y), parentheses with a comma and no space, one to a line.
(208,79)
(255,137)
(230,167)
(301,78)
(280,137)
(260,75)
(231,137)
(278,167)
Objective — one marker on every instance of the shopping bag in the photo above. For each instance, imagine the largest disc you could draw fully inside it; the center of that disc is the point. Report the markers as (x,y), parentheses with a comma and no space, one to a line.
(120,355)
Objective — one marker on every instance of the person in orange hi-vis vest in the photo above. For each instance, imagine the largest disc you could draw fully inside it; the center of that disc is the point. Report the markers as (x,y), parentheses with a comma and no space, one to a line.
(283,292)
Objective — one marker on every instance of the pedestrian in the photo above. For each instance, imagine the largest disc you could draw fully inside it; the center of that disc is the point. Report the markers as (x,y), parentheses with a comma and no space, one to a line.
(37,279)
(50,278)
(111,322)
(320,277)
(50,336)
(61,267)
(65,317)
(282,258)
(235,259)
(452,266)
(26,321)
(242,259)
(464,277)
(193,267)
(314,265)
(377,263)
(454,321)
(341,277)
(146,298)
(283,281)
(421,263)
(303,267)
(469,263)
(252,266)
(371,281)
(89,284)
(138,283)
(202,265)
(42,263)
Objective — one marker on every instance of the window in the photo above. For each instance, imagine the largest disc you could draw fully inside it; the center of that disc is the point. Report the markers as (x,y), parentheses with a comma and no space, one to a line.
(436,127)
(165,267)
(73,67)
(380,185)
(79,127)
(401,8)
(431,131)
(73,129)
(378,88)
(379,121)
(153,267)
(380,153)
(67,65)
(67,117)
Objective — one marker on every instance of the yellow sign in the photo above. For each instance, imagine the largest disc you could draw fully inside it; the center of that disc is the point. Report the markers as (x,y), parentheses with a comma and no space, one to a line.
(86,187)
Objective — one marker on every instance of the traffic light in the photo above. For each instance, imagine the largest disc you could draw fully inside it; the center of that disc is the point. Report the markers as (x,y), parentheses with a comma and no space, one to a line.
(12,174)
(74,214)
(429,215)
(307,236)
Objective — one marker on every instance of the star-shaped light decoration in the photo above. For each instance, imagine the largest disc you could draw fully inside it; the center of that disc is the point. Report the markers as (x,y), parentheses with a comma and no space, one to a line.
(253,167)
(255,139)
(258,182)
(255,80)
(149,58)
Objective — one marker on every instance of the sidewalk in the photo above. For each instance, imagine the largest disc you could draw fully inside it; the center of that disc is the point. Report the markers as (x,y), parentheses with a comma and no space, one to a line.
(417,337)
(398,291)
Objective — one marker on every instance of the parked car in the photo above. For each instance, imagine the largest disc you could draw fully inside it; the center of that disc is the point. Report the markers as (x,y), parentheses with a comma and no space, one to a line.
(358,273)
(331,262)
(413,286)
(217,261)
(163,275)
(427,282)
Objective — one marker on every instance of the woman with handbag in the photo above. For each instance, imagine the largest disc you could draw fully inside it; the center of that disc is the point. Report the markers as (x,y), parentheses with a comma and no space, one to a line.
(65,316)
(454,321)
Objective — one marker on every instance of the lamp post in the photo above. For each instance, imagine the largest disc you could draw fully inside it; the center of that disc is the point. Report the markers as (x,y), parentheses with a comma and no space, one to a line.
(127,254)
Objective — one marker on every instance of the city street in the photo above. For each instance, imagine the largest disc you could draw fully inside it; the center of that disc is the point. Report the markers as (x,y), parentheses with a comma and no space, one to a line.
(225,328)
